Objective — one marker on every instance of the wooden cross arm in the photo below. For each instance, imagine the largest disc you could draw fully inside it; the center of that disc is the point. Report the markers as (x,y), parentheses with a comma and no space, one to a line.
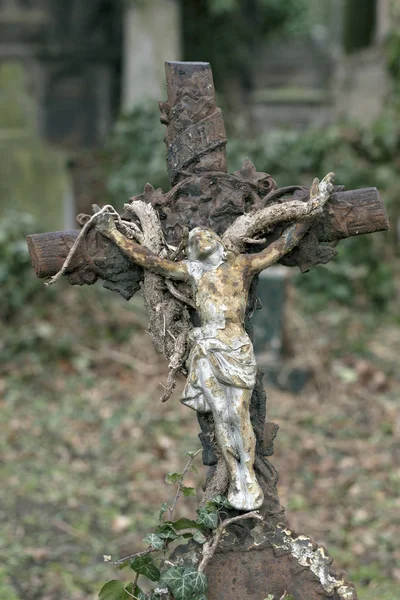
(48,252)
(347,214)
(353,212)
(95,258)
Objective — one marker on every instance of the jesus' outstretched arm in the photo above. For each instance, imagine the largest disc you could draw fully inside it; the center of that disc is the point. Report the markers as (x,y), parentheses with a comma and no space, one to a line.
(320,193)
(141,255)
(277,249)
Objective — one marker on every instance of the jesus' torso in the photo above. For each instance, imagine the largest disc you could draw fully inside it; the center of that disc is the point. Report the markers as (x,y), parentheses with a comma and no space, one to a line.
(220,294)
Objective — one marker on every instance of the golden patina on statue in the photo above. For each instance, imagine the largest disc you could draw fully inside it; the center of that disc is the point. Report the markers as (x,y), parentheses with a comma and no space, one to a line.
(221,365)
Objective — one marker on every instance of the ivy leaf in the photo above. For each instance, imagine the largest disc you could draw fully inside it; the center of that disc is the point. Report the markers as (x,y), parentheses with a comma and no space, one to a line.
(207,519)
(166,533)
(164,508)
(199,581)
(220,501)
(184,523)
(154,540)
(115,590)
(173,478)
(139,594)
(144,566)
(188,491)
(185,583)
(217,503)
(199,537)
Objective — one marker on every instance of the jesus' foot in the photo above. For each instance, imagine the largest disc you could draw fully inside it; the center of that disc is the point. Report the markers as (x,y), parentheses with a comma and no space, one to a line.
(246,498)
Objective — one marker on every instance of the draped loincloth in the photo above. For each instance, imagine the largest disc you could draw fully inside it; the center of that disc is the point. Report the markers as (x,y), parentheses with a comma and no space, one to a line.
(231,365)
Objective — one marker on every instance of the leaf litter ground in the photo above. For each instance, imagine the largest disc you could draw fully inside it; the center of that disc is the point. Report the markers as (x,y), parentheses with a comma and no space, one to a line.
(86,444)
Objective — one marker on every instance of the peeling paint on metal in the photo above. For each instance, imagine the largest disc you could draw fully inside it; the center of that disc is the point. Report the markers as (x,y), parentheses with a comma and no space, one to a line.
(309,554)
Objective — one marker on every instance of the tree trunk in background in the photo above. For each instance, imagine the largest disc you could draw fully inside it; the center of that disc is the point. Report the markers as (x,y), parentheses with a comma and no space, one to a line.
(151,37)
(360,24)
(383,20)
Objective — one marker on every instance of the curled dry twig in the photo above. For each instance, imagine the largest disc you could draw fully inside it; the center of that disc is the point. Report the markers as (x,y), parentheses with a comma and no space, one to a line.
(126,559)
(210,547)
(106,209)
(179,490)
(178,494)
(250,225)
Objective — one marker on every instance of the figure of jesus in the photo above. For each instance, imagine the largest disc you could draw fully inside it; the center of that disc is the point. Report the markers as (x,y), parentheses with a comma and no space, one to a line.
(221,364)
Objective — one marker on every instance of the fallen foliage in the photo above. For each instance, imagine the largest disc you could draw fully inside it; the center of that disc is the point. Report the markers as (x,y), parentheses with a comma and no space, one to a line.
(86,443)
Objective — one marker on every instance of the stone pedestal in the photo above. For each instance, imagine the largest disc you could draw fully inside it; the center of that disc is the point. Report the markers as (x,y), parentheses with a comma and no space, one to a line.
(262,575)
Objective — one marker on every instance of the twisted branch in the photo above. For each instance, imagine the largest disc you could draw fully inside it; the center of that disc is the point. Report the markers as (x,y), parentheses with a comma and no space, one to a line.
(209,548)
(249,226)
(163,300)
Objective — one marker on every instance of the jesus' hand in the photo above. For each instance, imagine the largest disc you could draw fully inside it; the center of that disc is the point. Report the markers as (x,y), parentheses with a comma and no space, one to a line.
(320,193)
(105,223)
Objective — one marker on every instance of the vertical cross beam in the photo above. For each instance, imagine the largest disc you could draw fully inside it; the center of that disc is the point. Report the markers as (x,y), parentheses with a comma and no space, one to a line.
(195,136)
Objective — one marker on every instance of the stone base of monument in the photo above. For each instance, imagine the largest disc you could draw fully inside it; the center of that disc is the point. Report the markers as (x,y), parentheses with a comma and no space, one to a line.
(291,566)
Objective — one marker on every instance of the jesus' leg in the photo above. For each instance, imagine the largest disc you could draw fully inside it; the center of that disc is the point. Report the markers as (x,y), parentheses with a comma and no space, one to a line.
(235,438)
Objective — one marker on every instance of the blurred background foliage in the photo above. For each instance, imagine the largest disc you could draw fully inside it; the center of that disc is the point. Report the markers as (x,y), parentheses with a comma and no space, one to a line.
(241,26)
(18,288)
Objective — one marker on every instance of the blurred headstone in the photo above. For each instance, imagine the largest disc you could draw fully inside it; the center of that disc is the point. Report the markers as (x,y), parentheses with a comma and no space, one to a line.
(269,330)
(291,84)
(33,177)
(151,36)
(59,85)
(72,51)
(362,85)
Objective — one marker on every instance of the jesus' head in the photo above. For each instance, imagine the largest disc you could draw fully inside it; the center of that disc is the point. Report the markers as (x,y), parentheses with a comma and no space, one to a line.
(204,245)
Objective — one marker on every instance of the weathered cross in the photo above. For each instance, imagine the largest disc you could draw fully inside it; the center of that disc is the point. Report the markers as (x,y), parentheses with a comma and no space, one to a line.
(198,249)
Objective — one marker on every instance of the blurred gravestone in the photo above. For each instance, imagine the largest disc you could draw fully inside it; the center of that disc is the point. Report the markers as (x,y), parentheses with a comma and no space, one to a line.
(151,35)
(269,333)
(33,178)
(60,64)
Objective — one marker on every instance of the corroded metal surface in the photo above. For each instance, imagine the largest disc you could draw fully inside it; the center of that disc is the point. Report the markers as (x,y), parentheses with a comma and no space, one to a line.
(195,135)
(272,563)
(315,558)
(256,574)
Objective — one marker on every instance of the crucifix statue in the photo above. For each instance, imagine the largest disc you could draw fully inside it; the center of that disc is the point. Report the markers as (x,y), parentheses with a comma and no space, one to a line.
(197,250)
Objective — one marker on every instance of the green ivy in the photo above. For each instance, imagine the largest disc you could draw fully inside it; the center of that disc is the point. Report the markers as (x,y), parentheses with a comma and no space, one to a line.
(18,283)
(154,540)
(185,583)
(116,590)
(144,565)
(207,518)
